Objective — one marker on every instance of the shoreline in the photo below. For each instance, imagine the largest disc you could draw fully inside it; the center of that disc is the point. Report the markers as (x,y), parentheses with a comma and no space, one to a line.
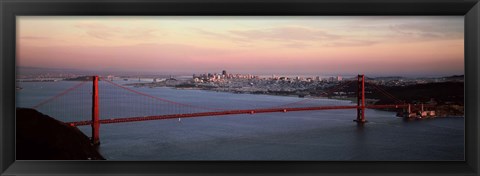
(444,109)
(233,92)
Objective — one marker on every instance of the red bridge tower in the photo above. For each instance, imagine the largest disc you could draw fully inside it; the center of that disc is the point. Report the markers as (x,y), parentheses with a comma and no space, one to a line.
(361,100)
(95,113)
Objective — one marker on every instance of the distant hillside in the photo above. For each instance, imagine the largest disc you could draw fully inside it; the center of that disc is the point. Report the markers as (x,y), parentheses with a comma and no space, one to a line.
(456,76)
(444,92)
(388,78)
(80,78)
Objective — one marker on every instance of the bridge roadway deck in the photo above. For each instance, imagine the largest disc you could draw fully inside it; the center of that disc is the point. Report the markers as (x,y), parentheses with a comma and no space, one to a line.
(232,112)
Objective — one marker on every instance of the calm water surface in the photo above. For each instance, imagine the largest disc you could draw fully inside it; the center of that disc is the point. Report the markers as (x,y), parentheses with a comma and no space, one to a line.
(308,135)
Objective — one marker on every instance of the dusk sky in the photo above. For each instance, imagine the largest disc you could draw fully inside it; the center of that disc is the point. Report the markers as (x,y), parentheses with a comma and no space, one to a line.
(373,45)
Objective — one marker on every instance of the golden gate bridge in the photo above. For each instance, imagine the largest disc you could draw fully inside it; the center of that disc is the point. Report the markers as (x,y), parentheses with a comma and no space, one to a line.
(158,108)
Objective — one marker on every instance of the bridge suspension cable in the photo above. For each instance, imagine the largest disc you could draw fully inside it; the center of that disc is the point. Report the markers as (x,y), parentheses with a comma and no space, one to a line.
(384,92)
(325,92)
(160,99)
(59,95)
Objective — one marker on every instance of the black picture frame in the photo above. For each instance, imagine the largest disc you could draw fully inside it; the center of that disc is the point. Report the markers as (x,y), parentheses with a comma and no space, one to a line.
(9,9)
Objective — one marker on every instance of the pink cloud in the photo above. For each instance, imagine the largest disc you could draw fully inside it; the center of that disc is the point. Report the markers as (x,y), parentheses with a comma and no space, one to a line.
(34,38)
(288,33)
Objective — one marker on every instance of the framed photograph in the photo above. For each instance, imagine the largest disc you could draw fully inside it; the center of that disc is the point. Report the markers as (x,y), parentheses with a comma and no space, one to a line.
(192,88)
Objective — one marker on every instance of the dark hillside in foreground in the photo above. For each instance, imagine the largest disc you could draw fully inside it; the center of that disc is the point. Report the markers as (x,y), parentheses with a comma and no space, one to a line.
(40,137)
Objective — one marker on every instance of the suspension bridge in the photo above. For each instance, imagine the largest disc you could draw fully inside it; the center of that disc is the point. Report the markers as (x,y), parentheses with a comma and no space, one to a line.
(108,103)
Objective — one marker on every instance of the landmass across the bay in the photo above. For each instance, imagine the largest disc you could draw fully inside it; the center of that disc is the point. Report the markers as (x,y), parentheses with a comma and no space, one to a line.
(445,93)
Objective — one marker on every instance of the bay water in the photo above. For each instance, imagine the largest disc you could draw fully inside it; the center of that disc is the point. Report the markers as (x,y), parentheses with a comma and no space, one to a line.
(306,135)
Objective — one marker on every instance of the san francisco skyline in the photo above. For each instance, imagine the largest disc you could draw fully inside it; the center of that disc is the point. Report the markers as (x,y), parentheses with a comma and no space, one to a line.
(403,46)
